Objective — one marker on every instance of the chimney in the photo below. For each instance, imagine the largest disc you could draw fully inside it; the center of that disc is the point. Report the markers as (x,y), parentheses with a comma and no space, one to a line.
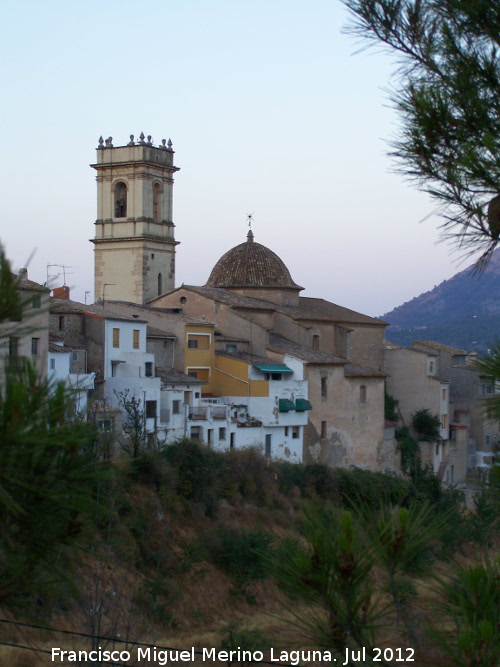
(23,274)
(61,292)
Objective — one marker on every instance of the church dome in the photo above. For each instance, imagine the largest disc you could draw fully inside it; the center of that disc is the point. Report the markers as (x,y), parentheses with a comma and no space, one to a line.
(249,265)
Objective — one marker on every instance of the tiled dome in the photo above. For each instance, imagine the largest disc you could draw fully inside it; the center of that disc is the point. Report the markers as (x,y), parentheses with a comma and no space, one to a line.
(250,264)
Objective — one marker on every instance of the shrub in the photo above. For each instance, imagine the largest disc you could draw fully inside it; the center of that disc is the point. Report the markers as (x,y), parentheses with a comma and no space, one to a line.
(245,554)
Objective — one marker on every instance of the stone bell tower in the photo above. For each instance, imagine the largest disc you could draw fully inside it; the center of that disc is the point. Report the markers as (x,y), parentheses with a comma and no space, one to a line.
(134,241)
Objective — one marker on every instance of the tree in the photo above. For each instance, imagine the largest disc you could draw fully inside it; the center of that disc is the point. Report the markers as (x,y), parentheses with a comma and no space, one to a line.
(447,94)
(427,426)
(46,479)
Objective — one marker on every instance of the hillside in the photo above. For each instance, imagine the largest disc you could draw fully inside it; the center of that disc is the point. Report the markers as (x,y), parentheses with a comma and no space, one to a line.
(463,311)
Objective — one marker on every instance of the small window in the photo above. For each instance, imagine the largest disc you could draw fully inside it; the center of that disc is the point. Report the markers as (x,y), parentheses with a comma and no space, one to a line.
(74,356)
(157,191)
(193,374)
(105,425)
(136,339)
(192,344)
(437,449)
(148,369)
(362,394)
(52,364)
(444,421)
(487,440)
(183,299)
(323,389)
(37,301)
(231,347)
(160,285)
(231,440)
(444,394)
(286,431)
(197,394)
(150,409)
(222,433)
(62,322)
(116,337)
(210,436)
(176,407)
(295,432)
(275,377)
(315,342)
(35,346)
(431,367)
(323,429)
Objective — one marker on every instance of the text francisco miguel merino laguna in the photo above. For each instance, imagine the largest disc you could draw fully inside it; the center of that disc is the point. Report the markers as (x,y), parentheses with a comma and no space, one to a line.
(164,656)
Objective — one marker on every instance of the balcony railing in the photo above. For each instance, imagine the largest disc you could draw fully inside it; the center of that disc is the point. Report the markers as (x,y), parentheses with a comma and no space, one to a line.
(208,413)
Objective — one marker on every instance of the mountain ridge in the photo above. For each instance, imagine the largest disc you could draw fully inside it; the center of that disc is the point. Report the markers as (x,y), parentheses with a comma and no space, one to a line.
(462,311)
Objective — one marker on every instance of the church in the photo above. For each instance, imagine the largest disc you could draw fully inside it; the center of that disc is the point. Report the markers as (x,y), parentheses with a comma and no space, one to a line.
(308,368)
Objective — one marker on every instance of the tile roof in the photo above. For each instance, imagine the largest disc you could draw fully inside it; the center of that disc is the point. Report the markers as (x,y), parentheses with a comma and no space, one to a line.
(171,376)
(153,332)
(321,309)
(246,357)
(351,370)
(251,264)
(440,347)
(283,345)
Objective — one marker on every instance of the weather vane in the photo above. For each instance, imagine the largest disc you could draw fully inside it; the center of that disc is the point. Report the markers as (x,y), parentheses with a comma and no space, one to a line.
(250,219)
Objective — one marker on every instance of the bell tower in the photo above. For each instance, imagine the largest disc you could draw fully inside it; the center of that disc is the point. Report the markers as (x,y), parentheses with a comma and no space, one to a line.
(134,245)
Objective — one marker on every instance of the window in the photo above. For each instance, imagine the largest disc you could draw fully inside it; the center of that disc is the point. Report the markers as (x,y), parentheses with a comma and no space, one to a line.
(362,394)
(268,446)
(210,436)
(150,409)
(222,433)
(120,200)
(323,429)
(295,431)
(487,440)
(196,432)
(286,431)
(192,344)
(231,347)
(13,346)
(176,407)
(231,440)
(315,342)
(135,343)
(437,449)
(160,285)
(35,346)
(148,369)
(444,421)
(276,377)
(105,425)
(444,394)
(37,301)
(193,374)
(116,337)
(62,322)
(323,389)
(431,368)
(74,356)
(52,364)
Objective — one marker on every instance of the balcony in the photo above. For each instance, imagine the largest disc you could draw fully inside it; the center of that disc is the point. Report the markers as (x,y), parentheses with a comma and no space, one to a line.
(208,413)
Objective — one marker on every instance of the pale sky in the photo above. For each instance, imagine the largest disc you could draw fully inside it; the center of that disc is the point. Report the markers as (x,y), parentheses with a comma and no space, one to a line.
(270,112)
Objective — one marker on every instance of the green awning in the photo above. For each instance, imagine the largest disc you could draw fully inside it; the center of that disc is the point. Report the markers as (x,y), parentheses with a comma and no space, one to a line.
(302,404)
(285,405)
(273,368)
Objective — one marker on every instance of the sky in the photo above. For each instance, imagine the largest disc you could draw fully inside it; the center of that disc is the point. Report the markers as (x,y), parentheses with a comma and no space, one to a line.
(271,110)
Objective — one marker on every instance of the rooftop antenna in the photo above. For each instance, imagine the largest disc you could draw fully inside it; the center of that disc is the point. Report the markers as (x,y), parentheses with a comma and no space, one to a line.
(87,292)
